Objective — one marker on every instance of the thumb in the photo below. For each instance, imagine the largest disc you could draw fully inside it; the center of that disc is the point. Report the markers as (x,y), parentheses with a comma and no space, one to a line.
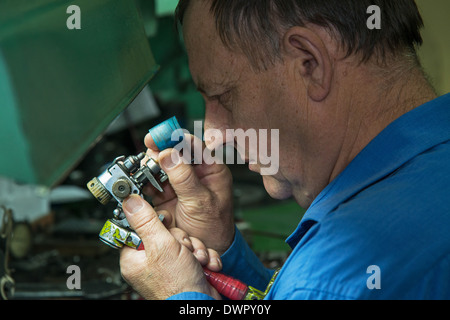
(143,219)
(182,176)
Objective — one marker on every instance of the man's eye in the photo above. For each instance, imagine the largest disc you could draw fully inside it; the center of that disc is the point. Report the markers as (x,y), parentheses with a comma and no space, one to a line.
(224,99)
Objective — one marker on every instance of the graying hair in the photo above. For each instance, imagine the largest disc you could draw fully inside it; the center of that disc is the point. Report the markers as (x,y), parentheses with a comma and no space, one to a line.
(255,26)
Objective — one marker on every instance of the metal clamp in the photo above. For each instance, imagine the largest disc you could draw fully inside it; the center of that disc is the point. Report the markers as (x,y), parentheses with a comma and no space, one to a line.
(116,235)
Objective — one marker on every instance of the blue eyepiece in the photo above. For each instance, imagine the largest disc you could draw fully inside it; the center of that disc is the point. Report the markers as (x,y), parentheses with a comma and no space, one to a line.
(167,134)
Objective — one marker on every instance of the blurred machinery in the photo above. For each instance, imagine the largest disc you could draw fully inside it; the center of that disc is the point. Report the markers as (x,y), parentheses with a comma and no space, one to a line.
(60,89)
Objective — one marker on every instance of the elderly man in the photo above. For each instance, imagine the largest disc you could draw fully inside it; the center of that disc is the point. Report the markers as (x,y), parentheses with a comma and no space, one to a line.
(364,144)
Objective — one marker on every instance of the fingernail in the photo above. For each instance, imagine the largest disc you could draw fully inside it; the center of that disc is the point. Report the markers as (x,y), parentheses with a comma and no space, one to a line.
(219,262)
(201,254)
(170,161)
(187,241)
(133,204)
(215,264)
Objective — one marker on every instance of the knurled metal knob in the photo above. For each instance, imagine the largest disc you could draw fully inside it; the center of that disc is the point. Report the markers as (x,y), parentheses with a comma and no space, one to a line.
(121,188)
(99,191)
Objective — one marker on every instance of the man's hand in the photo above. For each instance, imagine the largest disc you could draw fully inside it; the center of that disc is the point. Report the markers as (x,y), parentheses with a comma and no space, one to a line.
(199,196)
(170,263)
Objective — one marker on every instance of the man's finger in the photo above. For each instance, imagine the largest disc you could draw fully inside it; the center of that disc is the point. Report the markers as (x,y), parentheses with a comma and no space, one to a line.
(215,263)
(144,220)
(182,237)
(200,251)
(207,257)
(150,144)
(182,175)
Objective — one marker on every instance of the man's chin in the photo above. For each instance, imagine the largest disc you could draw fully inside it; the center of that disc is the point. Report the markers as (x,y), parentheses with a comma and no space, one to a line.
(276,189)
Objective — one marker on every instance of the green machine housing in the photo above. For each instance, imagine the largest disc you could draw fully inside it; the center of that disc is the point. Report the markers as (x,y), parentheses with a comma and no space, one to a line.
(60,88)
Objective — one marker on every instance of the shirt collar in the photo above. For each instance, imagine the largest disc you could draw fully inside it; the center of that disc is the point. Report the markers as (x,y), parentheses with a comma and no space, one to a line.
(405,138)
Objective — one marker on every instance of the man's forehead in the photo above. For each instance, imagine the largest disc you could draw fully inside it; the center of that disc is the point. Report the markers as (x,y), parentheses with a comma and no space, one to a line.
(203,45)
(198,15)
(213,65)
(199,30)
(216,72)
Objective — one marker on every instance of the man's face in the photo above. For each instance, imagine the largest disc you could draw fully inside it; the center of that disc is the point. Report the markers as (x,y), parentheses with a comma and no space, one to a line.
(238,96)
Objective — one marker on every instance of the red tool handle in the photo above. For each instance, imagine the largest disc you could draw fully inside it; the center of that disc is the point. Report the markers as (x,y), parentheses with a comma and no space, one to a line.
(227,286)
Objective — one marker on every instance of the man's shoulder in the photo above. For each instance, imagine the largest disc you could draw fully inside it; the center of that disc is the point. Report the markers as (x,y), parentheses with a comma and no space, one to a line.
(419,186)
(395,227)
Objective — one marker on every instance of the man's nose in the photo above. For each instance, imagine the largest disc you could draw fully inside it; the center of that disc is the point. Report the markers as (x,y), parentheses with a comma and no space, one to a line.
(217,130)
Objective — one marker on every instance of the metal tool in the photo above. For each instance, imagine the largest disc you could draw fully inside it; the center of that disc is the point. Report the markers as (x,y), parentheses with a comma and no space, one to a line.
(128,175)
(235,289)
(125,176)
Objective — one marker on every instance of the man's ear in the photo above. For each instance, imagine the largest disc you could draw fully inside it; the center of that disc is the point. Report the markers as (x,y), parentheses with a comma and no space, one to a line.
(311,60)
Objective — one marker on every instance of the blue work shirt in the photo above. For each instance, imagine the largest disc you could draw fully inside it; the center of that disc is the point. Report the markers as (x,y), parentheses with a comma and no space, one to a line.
(380,230)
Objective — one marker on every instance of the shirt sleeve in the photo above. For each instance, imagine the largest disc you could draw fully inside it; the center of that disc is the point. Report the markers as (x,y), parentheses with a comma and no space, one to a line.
(240,262)
(190,296)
